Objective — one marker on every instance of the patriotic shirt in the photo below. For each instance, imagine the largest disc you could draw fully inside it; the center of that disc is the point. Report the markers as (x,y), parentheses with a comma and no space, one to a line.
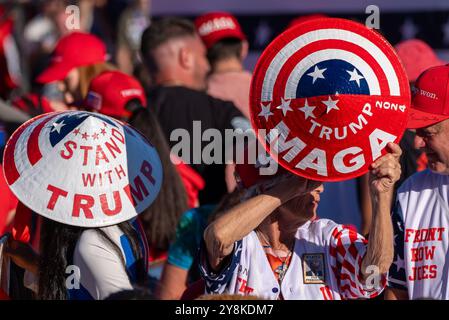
(420,222)
(325,265)
(101,271)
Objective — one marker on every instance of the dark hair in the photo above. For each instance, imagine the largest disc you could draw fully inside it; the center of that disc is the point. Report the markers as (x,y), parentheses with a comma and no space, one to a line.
(133,105)
(225,49)
(160,32)
(160,220)
(57,245)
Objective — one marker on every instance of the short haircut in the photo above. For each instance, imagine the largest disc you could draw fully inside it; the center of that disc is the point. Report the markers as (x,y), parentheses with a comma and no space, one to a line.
(160,32)
(225,49)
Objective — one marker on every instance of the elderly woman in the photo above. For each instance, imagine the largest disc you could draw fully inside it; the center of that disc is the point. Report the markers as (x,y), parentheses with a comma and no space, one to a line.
(273,246)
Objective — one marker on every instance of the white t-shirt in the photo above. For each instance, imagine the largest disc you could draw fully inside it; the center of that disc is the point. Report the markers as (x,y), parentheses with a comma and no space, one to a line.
(101,270)
(420,222)
(325,265)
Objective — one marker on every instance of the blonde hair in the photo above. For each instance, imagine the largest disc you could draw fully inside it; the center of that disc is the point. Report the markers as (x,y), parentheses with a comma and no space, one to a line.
(87,73)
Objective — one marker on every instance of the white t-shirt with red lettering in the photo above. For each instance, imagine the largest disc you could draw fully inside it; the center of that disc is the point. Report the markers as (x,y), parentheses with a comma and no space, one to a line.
(420,222)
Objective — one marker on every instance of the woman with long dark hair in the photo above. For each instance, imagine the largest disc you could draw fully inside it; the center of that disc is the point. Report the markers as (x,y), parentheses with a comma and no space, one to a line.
(91,244)
(63,245)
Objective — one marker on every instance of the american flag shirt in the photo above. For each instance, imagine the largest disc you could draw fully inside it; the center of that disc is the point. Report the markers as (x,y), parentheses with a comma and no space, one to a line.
(325,265)
(420,222)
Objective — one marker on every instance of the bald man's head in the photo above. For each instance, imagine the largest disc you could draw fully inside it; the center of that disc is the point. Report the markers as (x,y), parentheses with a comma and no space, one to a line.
(174,53)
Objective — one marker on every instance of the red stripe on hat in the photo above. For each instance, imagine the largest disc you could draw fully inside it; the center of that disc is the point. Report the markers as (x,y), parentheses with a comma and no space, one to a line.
(286,70)
(10,169)
(33,151)
(9,164)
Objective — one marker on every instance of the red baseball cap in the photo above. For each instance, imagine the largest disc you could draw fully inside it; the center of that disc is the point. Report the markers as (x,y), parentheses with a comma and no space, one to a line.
(430,102)
(215,26)
(417,56)
(73,50)
(111,90)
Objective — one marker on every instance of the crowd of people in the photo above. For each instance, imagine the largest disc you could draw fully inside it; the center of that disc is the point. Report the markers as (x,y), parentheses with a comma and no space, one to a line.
(196,227)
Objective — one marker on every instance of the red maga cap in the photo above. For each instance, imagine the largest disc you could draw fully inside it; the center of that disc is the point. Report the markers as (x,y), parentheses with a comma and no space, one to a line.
(215,26)
(110,91)
(430,103)
(327,96)
(74,50)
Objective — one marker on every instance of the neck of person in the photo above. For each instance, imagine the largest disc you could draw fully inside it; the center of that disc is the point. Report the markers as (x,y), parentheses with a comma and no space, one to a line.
(228,65)
(280,230)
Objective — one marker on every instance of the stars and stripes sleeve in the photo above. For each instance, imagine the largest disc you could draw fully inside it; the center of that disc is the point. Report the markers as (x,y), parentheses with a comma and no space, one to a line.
(216,282)
(347,249)
(396,275)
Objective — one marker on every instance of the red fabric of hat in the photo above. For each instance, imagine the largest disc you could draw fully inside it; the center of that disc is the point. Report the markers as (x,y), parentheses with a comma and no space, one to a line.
(215,26)
(74,50)
(111,91)
(430,103)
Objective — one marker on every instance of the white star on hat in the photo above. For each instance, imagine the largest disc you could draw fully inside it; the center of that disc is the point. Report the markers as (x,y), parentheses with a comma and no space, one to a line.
(285,106)
(355,76)
(265,111)
(331,104)
(57,126)
(317,73)
(308,110)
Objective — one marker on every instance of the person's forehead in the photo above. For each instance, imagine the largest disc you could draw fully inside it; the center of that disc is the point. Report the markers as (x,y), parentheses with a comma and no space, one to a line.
(443,125)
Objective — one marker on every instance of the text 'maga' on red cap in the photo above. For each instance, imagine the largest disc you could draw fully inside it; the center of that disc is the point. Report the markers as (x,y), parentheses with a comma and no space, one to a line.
(215,26)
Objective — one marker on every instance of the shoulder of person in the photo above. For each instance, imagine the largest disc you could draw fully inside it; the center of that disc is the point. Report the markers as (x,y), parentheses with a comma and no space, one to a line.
(422,180)
(319,224)
(326,230)
(91,240)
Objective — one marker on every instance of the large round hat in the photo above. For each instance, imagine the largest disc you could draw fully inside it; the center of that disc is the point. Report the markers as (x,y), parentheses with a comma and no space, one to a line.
(82,168)
(327,96)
